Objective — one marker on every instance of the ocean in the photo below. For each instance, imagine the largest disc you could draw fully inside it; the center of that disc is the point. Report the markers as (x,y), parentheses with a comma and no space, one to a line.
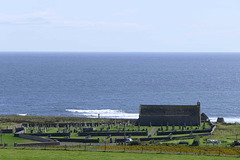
(115,84)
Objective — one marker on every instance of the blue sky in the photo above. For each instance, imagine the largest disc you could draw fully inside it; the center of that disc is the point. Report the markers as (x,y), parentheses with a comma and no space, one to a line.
(120,26)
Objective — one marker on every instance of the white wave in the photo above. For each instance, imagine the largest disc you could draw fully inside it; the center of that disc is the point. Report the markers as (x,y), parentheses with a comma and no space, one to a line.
(226,119)
(22,114)
(104,113)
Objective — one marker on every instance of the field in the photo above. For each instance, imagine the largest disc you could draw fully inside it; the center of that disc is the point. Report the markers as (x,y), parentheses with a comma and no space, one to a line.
(10,140)
(24,154)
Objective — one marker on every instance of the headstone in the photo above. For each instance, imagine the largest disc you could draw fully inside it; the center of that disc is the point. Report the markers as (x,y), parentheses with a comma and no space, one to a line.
(191,133)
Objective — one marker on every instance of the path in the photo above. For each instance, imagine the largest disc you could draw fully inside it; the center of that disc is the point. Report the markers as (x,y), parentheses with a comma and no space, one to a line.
(152,131)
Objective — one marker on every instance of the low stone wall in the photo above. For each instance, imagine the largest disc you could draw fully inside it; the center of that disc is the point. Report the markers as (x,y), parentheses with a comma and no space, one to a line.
(50,134)
(113,133)
(159,133)
(52,143)
(19,129)
(77,140)
(7,130)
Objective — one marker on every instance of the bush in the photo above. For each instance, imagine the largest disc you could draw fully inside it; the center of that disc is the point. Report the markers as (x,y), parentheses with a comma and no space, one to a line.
(184,142)
(196,141)
(134,143)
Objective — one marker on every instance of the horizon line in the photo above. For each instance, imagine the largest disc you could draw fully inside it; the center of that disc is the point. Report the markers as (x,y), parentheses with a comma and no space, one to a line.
(118,52)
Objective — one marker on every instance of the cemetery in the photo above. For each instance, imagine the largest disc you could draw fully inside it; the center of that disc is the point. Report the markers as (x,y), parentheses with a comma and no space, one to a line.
(111,134)
(112,131)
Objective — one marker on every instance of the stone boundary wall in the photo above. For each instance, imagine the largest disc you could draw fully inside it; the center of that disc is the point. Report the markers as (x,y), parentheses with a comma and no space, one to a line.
(7,130)
(77,140)
(52,143)
(113,133)
(159,133)
(50,134)
(34,138)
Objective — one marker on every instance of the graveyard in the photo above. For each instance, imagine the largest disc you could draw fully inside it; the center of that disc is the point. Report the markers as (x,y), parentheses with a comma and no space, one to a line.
(72,133)
(98,130)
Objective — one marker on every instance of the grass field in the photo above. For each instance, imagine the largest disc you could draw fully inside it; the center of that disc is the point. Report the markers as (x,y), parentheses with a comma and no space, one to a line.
(10,140)
(23,154)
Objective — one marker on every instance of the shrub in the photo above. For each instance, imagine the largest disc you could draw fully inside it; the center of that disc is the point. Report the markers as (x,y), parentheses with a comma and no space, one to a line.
(196,141)
(184,142)
(134,143)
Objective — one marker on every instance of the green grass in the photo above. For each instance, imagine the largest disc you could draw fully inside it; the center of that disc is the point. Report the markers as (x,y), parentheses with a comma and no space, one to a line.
(24,154)
(4,125)
(10,139)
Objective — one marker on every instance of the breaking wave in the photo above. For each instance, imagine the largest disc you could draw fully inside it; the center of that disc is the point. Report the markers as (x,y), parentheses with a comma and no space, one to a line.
(22,114)
(104,113)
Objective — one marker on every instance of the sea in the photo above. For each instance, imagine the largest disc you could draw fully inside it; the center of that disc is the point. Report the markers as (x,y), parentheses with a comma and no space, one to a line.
(113,85)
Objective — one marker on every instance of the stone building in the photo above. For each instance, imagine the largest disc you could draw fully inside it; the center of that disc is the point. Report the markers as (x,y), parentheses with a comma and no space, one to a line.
(157,115)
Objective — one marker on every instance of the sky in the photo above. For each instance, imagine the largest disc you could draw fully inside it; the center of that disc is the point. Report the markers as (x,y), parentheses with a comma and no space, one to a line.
(120,26)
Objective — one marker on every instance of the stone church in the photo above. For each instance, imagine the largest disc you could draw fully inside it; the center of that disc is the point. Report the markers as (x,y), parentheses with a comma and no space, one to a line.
(158,115)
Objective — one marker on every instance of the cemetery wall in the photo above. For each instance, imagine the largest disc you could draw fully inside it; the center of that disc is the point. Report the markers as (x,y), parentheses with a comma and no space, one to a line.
(7,130)
(159,133)
(113,133)
(77,140)
(50,134)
